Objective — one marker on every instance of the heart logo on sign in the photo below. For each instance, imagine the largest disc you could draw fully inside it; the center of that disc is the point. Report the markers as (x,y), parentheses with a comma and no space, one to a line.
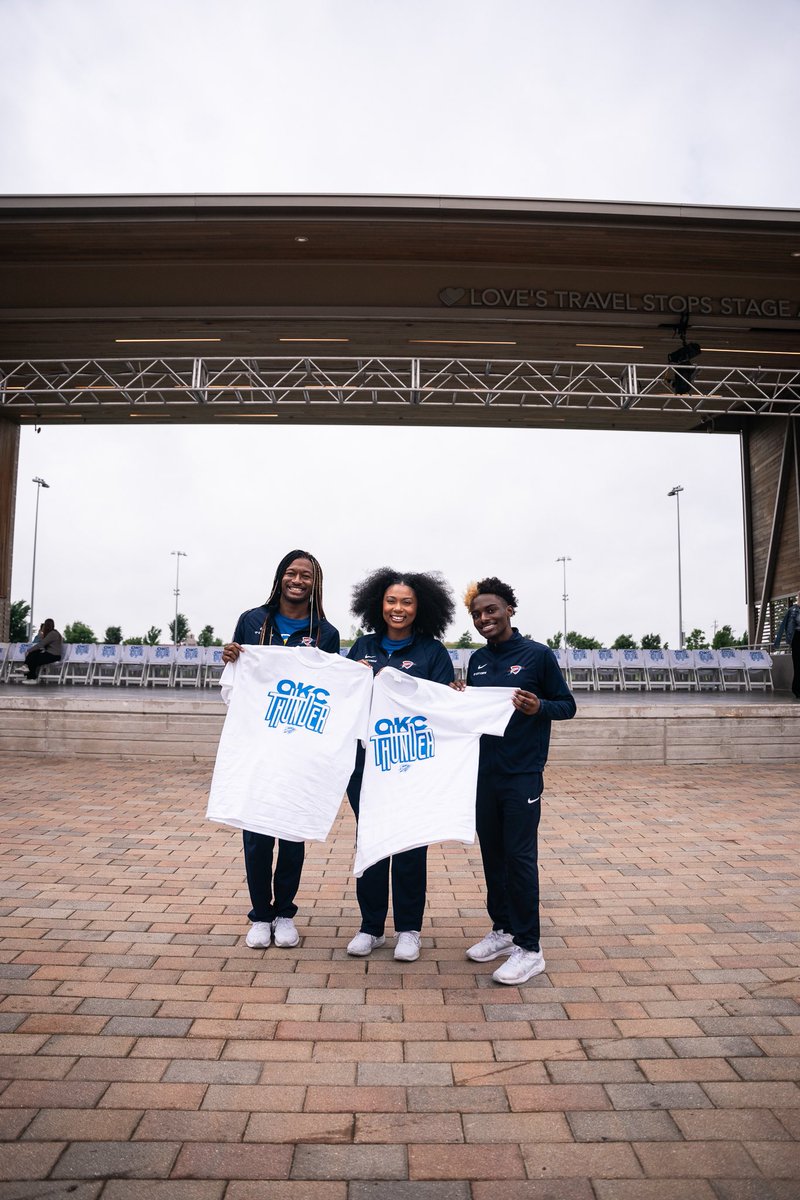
(452,296)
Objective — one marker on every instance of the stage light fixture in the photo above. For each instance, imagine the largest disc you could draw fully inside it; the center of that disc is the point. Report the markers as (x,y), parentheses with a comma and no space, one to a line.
(683,369)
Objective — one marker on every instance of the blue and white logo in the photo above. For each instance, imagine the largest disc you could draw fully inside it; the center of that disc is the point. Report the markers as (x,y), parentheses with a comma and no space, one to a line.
(402,740)
(298,706)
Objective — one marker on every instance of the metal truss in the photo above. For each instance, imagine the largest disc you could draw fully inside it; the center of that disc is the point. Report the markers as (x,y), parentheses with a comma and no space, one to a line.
(210,388)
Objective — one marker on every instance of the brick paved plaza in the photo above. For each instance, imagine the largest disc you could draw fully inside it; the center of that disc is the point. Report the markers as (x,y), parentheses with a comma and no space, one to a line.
(147,1053)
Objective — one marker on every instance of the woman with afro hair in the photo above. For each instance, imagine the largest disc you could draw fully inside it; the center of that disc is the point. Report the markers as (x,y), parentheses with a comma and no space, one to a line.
(406,613)
(510,779)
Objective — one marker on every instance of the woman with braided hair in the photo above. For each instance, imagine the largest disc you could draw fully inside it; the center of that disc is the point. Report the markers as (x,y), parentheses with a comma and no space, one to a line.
(407,612)
(292,615)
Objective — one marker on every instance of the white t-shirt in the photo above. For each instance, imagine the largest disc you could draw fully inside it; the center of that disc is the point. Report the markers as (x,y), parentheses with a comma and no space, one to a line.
(295,716)
(421,767)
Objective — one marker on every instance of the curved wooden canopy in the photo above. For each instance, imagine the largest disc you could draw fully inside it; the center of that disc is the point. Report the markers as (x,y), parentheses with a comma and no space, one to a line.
(319,286)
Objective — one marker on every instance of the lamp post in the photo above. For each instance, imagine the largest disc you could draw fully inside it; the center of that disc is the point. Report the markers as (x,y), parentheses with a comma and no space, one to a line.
(179,554)
(40,483)
(676,492)
(564,559)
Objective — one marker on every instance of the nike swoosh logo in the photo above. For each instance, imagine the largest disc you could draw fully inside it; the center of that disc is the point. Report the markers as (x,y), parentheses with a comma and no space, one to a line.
(534,799)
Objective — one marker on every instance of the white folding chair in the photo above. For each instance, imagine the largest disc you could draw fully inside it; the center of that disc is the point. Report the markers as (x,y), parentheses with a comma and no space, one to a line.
(632,670)
(708,671)
(561,659)
(160,668)
(580,664)
(758,665)
(15,661)
(107,663)
(78,663)
(657,672)
(214,666)
(607,670)
(132,665)
(681,665)
(732,669)
(4,646)
(188,666)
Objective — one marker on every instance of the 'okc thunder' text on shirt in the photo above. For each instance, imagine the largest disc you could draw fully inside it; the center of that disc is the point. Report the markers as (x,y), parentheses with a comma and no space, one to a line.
(402,740)
(298,706)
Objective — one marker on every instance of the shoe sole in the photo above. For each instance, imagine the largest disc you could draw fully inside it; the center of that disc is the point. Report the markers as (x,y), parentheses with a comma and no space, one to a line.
(286,945)
(257,945)
(505,950)
(366,953)
(406,957)
(516,982)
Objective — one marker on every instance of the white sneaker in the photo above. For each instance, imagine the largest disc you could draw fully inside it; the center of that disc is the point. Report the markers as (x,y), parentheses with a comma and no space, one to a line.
(407,948)
(30,682)
(492,946)
(363,944)
(259,935)
(521,966)
(284,932)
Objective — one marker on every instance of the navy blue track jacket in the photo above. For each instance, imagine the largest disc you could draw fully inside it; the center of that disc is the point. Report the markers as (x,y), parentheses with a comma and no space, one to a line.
(424,657)
(248,632)
(521,663)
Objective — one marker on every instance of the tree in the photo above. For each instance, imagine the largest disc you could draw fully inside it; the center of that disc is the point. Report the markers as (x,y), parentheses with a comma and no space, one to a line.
(464,642)
(183,629)
(625,641)
(554,642)
(78,632)
(723,637)
(113,635)
(651,641)
(579,641)
(18,626)
(697,640)
(206,636)
(134,641)
(152,637)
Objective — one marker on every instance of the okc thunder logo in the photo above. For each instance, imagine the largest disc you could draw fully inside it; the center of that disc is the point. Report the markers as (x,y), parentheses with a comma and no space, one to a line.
(407,664)
(307,641)
(515,670)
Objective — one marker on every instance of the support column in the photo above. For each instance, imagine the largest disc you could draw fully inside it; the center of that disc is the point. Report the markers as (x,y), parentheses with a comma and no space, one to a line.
(771,473)
(9,459)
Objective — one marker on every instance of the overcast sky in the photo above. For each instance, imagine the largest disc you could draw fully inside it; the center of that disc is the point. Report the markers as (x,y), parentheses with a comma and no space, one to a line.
(687,102)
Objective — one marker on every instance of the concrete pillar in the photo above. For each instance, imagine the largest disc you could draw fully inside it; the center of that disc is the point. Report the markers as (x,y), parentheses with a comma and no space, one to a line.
(9,458)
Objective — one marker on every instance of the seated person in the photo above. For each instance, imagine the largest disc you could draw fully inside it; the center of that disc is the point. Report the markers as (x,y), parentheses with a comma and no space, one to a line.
(47,649)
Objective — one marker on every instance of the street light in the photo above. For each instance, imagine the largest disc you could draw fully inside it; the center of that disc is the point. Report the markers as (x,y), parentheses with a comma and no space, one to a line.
(676,492)
(179,554)
(40,483)
(564,559)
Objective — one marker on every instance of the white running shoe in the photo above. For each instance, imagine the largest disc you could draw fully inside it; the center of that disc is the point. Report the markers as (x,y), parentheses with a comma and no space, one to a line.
(407,948)
(492,946)
(284,932)
(259,935)
(363,944)
(521,966)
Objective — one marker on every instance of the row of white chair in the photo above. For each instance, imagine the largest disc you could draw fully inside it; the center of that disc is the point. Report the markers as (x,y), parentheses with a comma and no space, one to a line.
(592,670)
(728,669)
(143,666)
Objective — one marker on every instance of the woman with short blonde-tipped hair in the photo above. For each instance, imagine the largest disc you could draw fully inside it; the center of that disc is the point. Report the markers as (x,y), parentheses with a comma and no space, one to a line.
(510,778)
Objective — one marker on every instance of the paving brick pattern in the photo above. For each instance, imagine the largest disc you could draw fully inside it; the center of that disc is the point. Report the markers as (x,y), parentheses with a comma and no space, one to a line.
(145,1051)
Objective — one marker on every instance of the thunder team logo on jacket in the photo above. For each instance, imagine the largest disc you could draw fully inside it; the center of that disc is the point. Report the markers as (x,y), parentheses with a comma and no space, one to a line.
(298,706)
(402,740)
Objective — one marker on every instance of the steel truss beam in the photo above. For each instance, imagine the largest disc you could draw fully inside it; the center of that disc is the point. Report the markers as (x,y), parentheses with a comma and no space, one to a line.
(227,386)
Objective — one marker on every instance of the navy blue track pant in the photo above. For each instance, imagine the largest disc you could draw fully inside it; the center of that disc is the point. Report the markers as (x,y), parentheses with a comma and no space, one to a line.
(272,896)
(409,872)
(507,817)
